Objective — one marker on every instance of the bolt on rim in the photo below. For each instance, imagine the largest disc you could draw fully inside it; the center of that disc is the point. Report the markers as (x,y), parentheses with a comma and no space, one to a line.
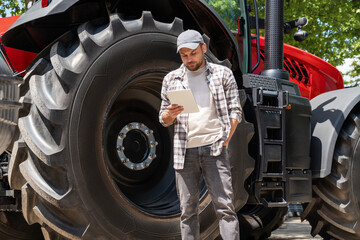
(124,141)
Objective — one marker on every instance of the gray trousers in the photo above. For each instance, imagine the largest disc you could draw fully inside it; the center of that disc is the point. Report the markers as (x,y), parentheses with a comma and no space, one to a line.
(217,176)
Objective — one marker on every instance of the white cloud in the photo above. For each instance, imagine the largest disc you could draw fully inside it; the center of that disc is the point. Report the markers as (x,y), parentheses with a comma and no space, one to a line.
(345,67)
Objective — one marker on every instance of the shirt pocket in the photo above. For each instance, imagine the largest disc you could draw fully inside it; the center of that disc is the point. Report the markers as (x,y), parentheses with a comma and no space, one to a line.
(173,88)
(175,85)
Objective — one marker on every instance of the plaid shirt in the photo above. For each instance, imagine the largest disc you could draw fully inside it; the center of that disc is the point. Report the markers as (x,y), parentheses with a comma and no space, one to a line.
(224,89)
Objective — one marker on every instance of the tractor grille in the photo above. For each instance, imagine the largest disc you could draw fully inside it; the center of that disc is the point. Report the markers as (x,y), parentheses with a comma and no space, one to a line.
(297,70)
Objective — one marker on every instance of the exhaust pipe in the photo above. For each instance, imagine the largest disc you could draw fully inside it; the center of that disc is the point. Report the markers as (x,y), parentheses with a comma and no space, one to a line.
(274,40)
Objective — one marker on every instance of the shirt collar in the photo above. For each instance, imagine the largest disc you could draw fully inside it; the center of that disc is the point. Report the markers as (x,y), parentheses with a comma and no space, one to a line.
(183,69)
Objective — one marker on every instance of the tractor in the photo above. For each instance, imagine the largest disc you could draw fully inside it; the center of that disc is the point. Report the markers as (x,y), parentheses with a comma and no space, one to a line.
(83,155)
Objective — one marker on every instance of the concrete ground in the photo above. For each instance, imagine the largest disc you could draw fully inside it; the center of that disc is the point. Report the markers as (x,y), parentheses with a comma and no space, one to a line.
(293,229)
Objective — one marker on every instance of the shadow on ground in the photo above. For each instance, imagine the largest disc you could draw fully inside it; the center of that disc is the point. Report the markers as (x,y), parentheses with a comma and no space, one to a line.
(293,229)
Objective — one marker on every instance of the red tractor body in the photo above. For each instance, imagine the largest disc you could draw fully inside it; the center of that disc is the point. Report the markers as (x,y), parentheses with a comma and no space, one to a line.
(313,75)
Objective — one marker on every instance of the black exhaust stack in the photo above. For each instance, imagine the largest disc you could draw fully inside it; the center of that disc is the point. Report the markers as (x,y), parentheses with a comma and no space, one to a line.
(274,40)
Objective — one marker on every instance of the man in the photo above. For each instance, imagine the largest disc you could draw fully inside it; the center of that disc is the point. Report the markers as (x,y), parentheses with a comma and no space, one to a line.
(201,139)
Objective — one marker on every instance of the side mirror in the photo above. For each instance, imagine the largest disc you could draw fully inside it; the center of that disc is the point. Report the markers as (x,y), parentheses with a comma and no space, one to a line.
(300,35)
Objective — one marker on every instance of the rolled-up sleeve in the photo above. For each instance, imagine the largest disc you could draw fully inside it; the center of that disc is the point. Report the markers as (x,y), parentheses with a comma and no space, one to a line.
(165,102)
(232,96)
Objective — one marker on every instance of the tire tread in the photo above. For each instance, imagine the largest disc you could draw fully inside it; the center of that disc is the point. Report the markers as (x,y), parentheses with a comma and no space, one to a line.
(334,212)
(42,162)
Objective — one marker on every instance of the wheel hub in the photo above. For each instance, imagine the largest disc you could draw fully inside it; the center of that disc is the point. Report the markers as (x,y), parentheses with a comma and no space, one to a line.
(136,146)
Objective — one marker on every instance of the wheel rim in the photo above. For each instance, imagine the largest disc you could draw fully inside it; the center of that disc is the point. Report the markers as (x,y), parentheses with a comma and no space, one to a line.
(136,146)
(138,150)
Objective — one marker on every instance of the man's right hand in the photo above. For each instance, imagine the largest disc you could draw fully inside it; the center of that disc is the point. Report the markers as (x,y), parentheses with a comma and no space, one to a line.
(172,112)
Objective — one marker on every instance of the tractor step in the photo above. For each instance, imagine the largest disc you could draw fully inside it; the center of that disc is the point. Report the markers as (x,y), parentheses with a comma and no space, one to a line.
(283,164)
(280,203)
(271,194)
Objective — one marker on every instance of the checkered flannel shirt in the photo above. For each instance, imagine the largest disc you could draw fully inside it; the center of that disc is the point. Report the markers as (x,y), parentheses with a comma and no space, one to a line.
(224,89)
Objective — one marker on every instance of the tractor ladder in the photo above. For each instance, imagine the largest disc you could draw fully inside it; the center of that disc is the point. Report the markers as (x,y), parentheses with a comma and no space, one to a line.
(278,108)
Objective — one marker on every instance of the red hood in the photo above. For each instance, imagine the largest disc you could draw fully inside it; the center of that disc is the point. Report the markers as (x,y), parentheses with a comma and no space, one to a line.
(313,75)
(5,23)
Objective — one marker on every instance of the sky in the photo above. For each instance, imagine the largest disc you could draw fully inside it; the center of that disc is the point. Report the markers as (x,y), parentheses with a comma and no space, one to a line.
(345,68)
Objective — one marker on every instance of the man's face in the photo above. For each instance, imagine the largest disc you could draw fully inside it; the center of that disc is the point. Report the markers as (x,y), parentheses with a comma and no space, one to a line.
(193,59)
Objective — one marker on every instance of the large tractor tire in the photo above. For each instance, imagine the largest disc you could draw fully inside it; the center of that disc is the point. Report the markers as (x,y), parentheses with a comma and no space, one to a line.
(334,212)
(14,227)
(258,222)
(93,161)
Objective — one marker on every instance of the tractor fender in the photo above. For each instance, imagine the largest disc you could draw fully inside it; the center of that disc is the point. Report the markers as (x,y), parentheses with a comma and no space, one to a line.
(40,26)
(329,111)
(36,11)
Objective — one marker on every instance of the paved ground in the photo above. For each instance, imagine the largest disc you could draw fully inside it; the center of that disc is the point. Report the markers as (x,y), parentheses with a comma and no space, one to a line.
(293,229)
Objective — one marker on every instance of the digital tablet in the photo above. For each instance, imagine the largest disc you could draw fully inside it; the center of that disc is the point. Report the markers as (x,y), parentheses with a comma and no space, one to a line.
(183,98)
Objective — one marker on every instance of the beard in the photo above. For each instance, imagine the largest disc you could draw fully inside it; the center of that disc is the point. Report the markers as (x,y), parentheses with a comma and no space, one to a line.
(193,66)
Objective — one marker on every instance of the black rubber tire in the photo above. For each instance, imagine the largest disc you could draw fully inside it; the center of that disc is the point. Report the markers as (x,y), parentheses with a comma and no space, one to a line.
(14,227)
(334,212)
(85,91)
(257,222)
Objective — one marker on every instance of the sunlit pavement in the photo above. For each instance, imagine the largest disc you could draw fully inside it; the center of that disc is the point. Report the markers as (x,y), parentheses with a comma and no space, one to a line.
(294,229)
